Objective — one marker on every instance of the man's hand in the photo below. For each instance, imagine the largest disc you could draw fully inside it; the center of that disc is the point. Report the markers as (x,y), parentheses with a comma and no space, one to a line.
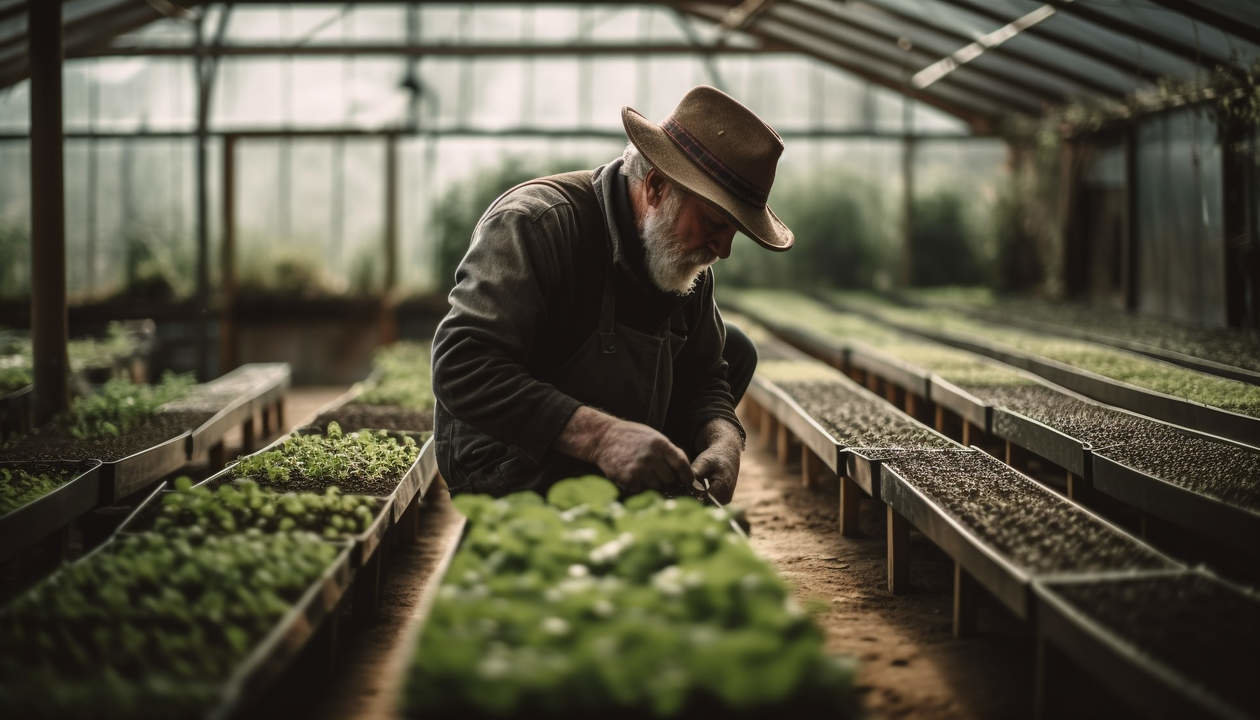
(719,460)
(631,454)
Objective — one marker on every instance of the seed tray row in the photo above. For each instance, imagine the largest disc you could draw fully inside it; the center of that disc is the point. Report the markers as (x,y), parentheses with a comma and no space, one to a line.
(1173,644)
(1157,389)
(1206,484)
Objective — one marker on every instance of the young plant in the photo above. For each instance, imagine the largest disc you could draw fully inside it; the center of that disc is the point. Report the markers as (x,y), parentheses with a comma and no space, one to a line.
(242,505)
(121,405)
(366,462)
(20,487)
(581,604)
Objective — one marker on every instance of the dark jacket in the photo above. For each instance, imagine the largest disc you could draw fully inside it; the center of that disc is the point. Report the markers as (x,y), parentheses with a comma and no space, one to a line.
(527,294)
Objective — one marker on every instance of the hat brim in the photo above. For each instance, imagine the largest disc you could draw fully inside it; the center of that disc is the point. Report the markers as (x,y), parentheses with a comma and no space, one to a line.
(758,223)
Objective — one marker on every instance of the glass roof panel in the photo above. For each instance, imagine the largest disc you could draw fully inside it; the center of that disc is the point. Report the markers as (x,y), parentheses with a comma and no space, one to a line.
(1159,61)
(1182,28)
(940,44)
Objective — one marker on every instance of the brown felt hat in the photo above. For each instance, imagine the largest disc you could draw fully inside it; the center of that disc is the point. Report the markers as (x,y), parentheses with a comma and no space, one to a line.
(721,151)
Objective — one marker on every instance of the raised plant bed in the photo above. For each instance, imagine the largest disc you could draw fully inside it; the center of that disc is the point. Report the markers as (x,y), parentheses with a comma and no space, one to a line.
(1174,394)
(1003,527)
(1172,644)
(581,605)
(230,400)
(153,626)
(73,489)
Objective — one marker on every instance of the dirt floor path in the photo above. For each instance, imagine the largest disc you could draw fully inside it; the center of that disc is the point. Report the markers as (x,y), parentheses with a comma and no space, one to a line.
(911,665)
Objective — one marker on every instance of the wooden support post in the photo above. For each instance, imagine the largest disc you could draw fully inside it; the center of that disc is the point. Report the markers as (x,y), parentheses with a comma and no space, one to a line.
(811,466)
(890,393)
(850,496)
(247,434)
(898,553)
(912,404)
(966,432)
(767,430)
(1010,454)
(783,444)
(872,382)
(280,415)
(265,414)
(1074,487)
(48,216)
(391,212)
(227,257)
(965,597)
(940,419)
(218,455)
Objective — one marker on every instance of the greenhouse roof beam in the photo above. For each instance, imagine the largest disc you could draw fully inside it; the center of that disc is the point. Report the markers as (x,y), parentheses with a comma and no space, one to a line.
(393,49)
(466,132)
(976,114)
(1093,52)
(901,58)
(81,35)
(1000,77)
(1207,16)
(1031,60)
(1141,33)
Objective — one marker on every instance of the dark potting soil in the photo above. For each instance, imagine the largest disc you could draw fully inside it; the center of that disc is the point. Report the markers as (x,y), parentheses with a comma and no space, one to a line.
(1035,528)
(1194,624)
(52,442)
(1200,465)
(857,419)
(361,416)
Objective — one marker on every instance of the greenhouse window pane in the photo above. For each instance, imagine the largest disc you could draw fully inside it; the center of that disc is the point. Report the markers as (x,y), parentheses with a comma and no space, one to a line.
(15,107)
(127,94)
(15,218)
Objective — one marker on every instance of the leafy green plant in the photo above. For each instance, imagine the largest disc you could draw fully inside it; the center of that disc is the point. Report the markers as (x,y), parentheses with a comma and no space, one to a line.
(400,377)
(121,406)
(15,374)
(151,623)
(236,507)
(368,462)
(582,604)
(20,487)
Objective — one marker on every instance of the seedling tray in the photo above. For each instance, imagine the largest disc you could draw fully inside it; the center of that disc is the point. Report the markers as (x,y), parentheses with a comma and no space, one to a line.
(414,482)
(36,519)
(1149,680)
(967,406)
(364,544)
(1059,448)
(893,370)
(270,657)
(1235,426)
(15,411)
(271,383)
(778,403)
(1002,575)
(1235,526)
(120,478)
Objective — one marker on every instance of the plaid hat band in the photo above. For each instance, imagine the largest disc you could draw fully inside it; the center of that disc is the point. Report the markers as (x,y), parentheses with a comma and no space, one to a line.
(695,151)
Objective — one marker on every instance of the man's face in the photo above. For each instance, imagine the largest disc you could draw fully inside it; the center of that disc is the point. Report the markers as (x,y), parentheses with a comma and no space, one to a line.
(683,235)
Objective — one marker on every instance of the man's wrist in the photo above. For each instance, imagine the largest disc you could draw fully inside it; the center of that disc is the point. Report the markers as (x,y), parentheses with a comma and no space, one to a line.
(584,433)
(719,432)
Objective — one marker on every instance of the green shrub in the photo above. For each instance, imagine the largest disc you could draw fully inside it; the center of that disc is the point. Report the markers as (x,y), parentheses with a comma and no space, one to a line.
(943,251)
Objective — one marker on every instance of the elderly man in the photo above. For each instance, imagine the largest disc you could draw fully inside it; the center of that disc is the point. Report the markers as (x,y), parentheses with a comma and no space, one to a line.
(583,334)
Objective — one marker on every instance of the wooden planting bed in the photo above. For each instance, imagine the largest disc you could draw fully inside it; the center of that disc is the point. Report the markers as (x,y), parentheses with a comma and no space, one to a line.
(35,520)
(236,398)
(1173,643)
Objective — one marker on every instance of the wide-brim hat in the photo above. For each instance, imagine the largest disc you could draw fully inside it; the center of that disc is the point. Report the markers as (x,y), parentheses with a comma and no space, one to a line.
(720,150)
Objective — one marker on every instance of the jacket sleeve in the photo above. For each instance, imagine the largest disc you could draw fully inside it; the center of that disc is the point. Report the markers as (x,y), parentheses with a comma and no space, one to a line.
(701,390)
(502,287)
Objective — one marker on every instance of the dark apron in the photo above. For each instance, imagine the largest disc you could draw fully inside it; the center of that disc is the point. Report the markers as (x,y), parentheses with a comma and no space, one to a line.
(620,370)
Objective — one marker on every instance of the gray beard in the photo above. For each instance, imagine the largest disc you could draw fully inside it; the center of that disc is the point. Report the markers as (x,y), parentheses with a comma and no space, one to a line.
(670,268)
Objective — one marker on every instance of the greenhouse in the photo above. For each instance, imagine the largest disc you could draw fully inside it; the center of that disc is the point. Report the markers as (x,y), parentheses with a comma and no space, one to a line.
(502,359)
